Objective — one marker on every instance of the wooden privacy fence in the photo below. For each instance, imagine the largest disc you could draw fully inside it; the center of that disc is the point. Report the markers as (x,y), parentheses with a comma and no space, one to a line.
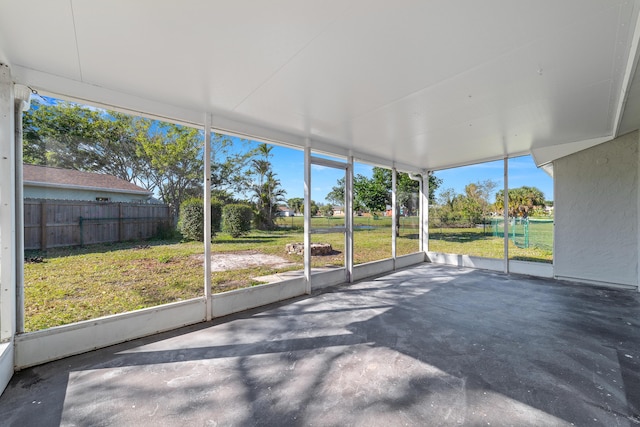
(56,223)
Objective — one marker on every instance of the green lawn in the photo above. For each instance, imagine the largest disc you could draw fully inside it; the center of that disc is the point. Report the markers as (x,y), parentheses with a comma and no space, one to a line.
(74,284)
(478,242)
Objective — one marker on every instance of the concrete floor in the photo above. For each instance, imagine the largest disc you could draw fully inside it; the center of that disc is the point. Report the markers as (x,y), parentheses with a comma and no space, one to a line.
(430,345)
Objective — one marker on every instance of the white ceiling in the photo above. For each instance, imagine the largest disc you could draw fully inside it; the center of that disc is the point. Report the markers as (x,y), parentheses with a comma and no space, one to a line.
(419,84)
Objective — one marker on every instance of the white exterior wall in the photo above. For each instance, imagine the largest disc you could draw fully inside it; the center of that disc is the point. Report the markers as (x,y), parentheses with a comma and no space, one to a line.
(77,194)
(596,213)
(7,227)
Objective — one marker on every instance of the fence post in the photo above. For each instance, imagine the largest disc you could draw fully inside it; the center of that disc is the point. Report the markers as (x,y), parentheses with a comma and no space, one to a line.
(81,232)
(43,225)
(120,227)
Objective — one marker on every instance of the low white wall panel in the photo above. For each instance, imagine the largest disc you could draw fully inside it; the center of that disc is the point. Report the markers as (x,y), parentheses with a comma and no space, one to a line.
(44,346)
(538,269)
(6,364)
(328,278)
(408,260)
(466,261)
(374,268)
(238,300)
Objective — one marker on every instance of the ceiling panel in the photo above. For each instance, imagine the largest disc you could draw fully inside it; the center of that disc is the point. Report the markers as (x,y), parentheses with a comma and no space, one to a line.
(377,55)
(422,84)
(194,53)
(39,35)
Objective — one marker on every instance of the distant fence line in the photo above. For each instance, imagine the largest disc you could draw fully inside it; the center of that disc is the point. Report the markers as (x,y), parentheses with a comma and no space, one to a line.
(526,232)
(58,223)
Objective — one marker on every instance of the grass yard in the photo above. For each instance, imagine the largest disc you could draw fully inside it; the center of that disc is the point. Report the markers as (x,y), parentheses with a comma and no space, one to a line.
(74,284)
(476,242)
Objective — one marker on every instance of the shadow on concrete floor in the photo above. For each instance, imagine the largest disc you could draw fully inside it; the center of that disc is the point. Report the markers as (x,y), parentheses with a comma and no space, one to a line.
(429,345)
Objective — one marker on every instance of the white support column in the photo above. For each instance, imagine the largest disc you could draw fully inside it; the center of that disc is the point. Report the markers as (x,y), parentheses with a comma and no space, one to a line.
(8,255)
(424,212)
(394,215)
(307,217)
(506,215)
(22,96)
(555,210)
(207,215)
(348,219)
(423,206)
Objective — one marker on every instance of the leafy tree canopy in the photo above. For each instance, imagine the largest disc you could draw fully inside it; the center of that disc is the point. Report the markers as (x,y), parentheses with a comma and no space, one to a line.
(268,192)
(522,201)
(161,157)
(374,194)
(296,204)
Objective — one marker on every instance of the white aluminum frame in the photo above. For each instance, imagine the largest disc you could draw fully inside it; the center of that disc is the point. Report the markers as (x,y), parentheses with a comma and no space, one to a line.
(8,243)
(207,216)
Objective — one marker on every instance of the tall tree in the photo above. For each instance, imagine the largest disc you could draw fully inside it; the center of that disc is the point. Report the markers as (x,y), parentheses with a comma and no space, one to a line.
(267,189)
(295,204)
(406,190)
(62,135)
(175,155)
(231,162)
(336,195)
(370,194)
(475,201)
(160,157)
(522,200)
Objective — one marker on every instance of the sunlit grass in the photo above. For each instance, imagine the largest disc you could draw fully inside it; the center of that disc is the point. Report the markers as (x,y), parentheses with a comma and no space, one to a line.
(476,242)
(75,284)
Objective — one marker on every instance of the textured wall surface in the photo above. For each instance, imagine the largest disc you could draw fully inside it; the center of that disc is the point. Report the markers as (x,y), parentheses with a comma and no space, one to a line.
(596,213)
(77,194)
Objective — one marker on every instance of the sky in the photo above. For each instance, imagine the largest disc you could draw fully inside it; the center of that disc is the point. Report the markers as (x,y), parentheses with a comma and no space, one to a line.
(522,172)
(288,165)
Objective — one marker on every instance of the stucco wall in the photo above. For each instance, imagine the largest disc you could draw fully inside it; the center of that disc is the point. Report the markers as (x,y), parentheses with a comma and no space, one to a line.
(78,194)
(596,213)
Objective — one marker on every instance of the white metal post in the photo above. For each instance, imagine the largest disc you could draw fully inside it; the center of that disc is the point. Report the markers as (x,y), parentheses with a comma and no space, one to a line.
(307,217)
(394,215)
(555,210)
(348,220)
(207,216)
(21,103)
(506,215)
(8,255)
(423,206)
(424,213)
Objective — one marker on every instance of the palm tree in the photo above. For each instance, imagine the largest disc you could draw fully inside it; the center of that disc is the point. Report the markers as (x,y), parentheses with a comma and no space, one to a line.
(267,190)
(522,200)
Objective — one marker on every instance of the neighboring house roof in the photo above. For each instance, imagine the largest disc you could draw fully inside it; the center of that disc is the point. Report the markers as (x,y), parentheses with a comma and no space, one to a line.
(44,176)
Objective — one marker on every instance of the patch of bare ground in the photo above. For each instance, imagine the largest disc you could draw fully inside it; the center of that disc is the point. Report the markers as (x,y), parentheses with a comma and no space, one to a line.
(244,259)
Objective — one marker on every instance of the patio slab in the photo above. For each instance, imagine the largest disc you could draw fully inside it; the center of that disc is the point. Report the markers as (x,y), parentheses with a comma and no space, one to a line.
(429,345)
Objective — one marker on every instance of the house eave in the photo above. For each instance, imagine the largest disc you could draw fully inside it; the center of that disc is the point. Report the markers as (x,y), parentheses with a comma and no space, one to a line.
(83,187)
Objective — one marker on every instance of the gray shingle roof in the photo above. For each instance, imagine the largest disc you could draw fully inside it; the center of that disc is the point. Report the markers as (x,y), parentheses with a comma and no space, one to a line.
(51,177)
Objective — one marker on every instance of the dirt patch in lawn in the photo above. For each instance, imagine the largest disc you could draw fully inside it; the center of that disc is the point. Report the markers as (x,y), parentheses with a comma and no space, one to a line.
(245,259)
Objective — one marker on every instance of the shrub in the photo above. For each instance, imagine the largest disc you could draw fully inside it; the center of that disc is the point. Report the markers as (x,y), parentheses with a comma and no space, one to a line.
(236,219)
(191,223)
(165,231)
(326,211)
(216,216)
